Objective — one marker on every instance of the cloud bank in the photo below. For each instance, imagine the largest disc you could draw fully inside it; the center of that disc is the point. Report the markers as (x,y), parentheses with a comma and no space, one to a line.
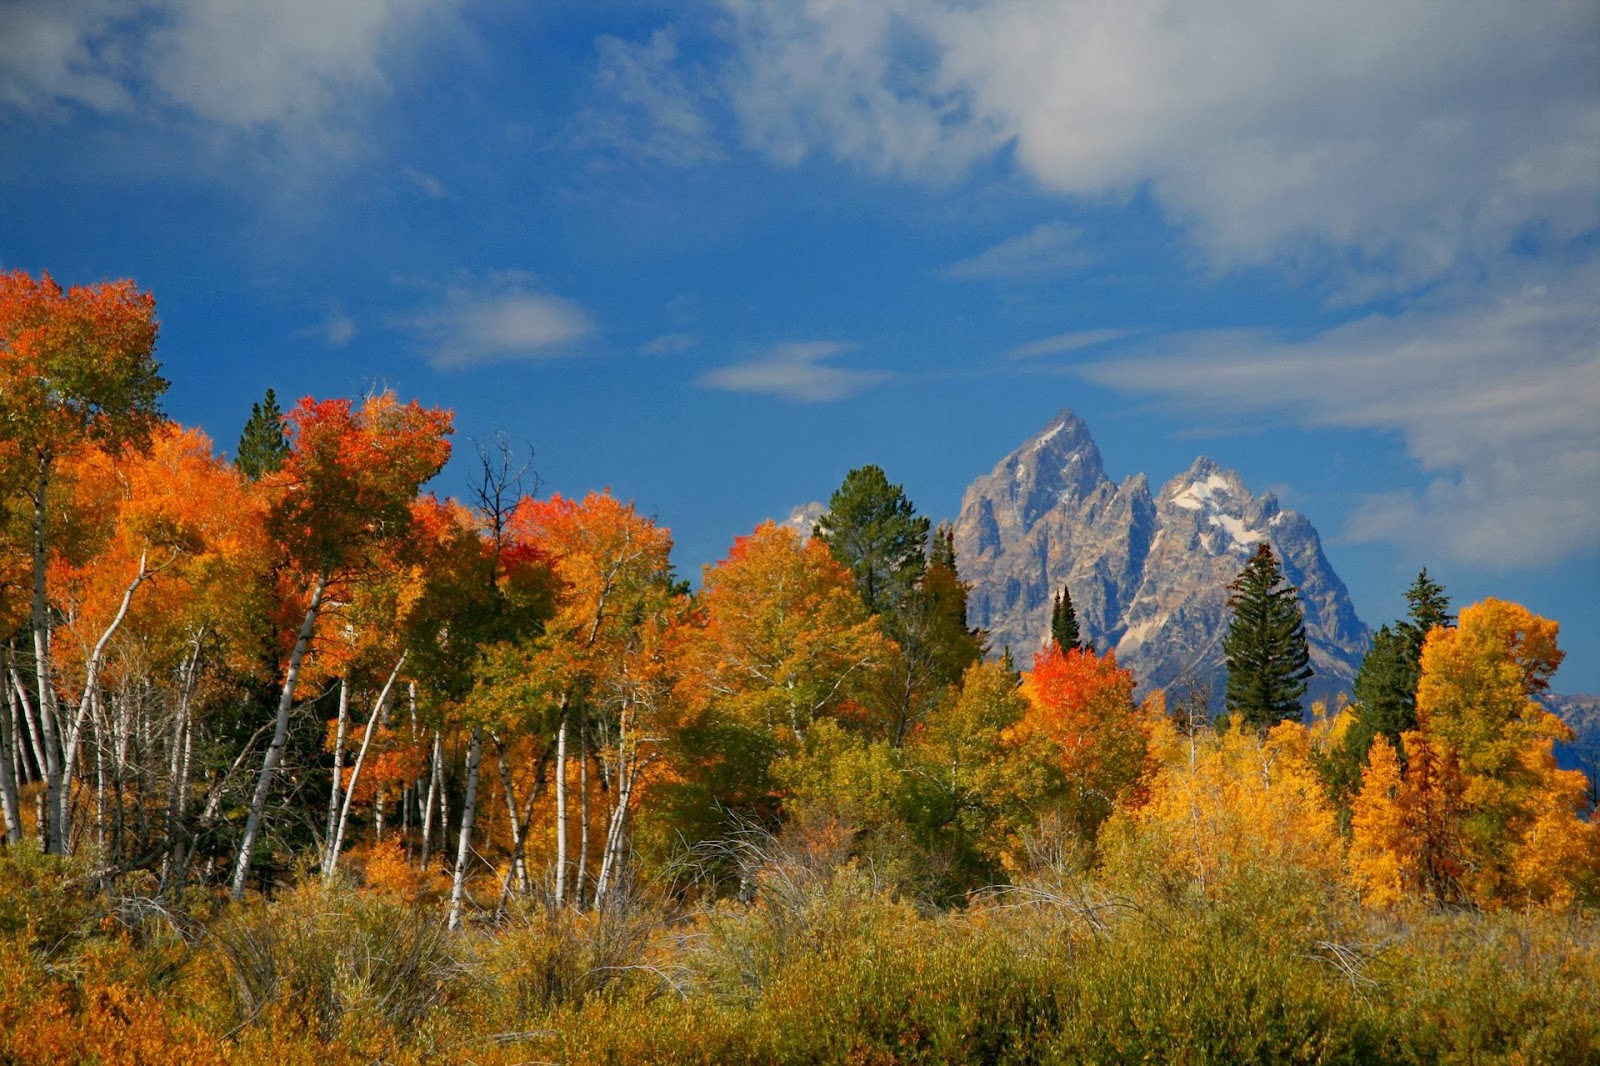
(1495,390)
(1390,142)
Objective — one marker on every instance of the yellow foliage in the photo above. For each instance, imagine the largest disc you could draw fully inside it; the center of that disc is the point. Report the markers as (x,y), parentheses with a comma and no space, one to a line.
(1222,804)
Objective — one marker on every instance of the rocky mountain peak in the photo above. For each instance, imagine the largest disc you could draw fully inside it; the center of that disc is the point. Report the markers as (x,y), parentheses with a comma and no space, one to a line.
(1148,576)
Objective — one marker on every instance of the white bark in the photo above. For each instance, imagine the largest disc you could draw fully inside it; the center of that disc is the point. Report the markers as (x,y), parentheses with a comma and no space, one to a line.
(561,808)
(280,736)
(331,861)
(338,773)
(434,776)
(458,885)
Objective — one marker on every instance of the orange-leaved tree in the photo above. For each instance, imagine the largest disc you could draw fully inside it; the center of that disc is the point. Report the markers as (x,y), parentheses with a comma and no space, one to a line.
(345,489)
(1082,739)
(594,659)
(77,371)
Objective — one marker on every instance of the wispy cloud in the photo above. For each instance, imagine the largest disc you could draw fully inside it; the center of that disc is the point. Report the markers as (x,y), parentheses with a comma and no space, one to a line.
(1386,143)
(1068,342)
(430,186)
(1048,249)
(335,331)
(797,372)
(1495,390)
(506,320)
(669,344)
(644,107)
(300,72)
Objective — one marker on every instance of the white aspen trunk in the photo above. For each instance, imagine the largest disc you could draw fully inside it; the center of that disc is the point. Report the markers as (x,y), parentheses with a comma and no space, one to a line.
(8,780)
(561,808)
(434,776)
(54,834)
(582,873)
(515,870)
(99,787)
(374,721)
(458,885)
(35,734)
(280,736)
(91,693)
(338,773)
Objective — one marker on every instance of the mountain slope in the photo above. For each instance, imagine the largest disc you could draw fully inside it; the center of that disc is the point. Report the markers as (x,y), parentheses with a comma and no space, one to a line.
(1148,574)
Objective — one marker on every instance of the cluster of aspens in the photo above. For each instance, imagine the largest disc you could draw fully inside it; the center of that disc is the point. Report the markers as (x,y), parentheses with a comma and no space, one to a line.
(228,674)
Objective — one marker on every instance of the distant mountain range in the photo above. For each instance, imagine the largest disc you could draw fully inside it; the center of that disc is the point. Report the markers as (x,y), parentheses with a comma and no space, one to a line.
(1148,573)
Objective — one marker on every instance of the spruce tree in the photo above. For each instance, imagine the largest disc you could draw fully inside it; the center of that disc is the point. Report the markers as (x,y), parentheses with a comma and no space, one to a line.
(1268,660)
(1064,622)
(262,445)
(873,529)
(1386,684)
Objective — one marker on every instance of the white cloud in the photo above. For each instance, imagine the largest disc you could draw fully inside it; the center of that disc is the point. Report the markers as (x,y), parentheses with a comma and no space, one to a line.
(1068,342)
(1395,139)
(1049,248)
(645,108)
(669,344)
(505,321)
(430,186)
(795,372)
(1495,390)
(339,330)
(239,64)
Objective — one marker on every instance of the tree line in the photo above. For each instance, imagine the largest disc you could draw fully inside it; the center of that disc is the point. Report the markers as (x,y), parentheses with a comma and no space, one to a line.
(236,675)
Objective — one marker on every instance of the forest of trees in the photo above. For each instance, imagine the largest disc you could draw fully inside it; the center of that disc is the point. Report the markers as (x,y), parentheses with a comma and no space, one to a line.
(298,758)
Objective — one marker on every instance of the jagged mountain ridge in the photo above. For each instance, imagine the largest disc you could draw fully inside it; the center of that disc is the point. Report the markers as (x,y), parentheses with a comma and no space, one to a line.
(1148,572)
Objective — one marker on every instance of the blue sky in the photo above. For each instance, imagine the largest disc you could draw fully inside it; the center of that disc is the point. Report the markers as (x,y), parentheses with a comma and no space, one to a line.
(713,255)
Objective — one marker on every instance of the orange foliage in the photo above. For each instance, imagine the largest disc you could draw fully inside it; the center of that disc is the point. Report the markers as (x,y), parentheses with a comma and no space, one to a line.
(785,637)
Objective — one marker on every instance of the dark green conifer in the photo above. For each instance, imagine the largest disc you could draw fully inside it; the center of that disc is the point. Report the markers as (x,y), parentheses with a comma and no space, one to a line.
(873,529)
(1064,622)
(1268,660)
(262,445)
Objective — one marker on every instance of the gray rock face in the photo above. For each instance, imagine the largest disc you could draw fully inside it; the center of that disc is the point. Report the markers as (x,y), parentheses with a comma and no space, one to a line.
(1148,574)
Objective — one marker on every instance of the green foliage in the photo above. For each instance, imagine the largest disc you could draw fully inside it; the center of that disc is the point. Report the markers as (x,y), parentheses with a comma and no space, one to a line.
(873,529)
(263,447)
(1386,687)
(1064,622)
(1268,660)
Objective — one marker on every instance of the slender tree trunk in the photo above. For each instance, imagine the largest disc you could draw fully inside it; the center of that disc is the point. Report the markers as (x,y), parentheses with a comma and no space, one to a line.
(338,772)
(55,835)
(8,780)
(434,776)
(580,884)
(280,737)
(91,694)
(458,885)
(541,774)
(516,870)
(561,807)
(35,732)
(373,724)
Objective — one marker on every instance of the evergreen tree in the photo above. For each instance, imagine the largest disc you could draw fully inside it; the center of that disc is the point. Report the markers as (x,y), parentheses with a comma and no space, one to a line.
(1268,661)
(873,529)
(1064,622)
(1430,608)
(1386,685)
(262,445)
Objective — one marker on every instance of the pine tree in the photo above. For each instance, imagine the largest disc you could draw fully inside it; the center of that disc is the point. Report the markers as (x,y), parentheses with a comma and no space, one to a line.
(1386,684)
(873,529)
(1268,660)
(1064,622)
(262,445)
